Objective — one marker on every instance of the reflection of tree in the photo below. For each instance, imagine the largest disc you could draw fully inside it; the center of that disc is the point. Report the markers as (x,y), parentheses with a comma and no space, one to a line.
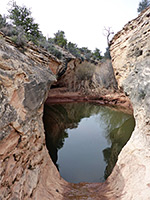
(119,137)
(58,118)
(113,119)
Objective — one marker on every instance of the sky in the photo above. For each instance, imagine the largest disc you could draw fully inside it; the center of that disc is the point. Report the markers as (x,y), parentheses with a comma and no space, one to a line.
(83,21)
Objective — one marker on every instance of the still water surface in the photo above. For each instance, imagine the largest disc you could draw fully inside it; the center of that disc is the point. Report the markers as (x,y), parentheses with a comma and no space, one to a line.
(84,139)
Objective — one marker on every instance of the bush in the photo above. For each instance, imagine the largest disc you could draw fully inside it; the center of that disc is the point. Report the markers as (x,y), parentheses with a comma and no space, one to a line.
(73,49)
(85,71)
(8,30)
(16,34)
(2,21)
(52,49)
(20,40)
(60,39)
(49,46)
(97,54)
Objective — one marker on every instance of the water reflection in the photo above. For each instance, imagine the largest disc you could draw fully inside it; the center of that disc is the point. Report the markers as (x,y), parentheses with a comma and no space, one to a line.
(92,137)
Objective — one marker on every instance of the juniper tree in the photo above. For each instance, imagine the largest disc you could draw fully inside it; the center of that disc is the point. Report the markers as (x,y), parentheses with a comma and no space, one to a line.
(21,17)
(60,39)
(142,5)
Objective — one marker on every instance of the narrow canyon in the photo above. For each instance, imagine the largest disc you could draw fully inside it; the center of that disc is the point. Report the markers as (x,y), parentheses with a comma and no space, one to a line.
(30,77)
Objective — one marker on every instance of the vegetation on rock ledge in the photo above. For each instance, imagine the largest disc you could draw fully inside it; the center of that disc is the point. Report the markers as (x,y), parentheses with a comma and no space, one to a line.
(19,25)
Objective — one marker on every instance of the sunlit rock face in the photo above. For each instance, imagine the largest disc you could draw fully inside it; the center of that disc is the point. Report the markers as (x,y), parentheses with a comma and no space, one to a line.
(26,170)
(130,51)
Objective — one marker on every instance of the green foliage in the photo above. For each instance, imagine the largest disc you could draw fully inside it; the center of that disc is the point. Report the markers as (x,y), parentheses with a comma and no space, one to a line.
(2,21)
(85,71)
(60,39)
(21,16)
(97,54)
(73,49)
(54,51)
(51,40)
(16,34)
(8,30)
(19,37)
(107,54)
(23,29)
(142,5)
(49,46)
(42,42)
(86,52)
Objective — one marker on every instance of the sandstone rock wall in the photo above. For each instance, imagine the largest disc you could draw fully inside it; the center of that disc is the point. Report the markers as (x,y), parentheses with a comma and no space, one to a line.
(26,170)
(130,51)
(131,45)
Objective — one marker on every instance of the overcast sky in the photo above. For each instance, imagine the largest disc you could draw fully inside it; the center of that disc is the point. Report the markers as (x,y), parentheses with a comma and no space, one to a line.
(83,21)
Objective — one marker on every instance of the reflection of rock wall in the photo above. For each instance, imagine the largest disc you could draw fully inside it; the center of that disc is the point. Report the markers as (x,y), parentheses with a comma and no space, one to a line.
(26,170)
(119,137)
(131,61)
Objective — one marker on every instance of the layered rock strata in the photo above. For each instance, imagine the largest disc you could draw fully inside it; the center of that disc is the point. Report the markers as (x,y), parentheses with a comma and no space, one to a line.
(131,60)
(26,170)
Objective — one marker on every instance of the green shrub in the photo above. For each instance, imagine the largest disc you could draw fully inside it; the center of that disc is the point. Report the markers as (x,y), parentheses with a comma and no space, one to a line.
(60,39)
(20,40)
(16,34)
(73,49)
(97,54)
(2,21)
(49,46)
(8,30)
(52,49)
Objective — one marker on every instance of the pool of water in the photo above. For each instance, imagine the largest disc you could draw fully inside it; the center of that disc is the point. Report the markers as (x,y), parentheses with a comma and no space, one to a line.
(84,139)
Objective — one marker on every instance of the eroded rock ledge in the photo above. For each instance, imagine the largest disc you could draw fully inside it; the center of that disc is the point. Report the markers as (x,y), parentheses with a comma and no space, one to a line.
(131,60)
(26,170)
